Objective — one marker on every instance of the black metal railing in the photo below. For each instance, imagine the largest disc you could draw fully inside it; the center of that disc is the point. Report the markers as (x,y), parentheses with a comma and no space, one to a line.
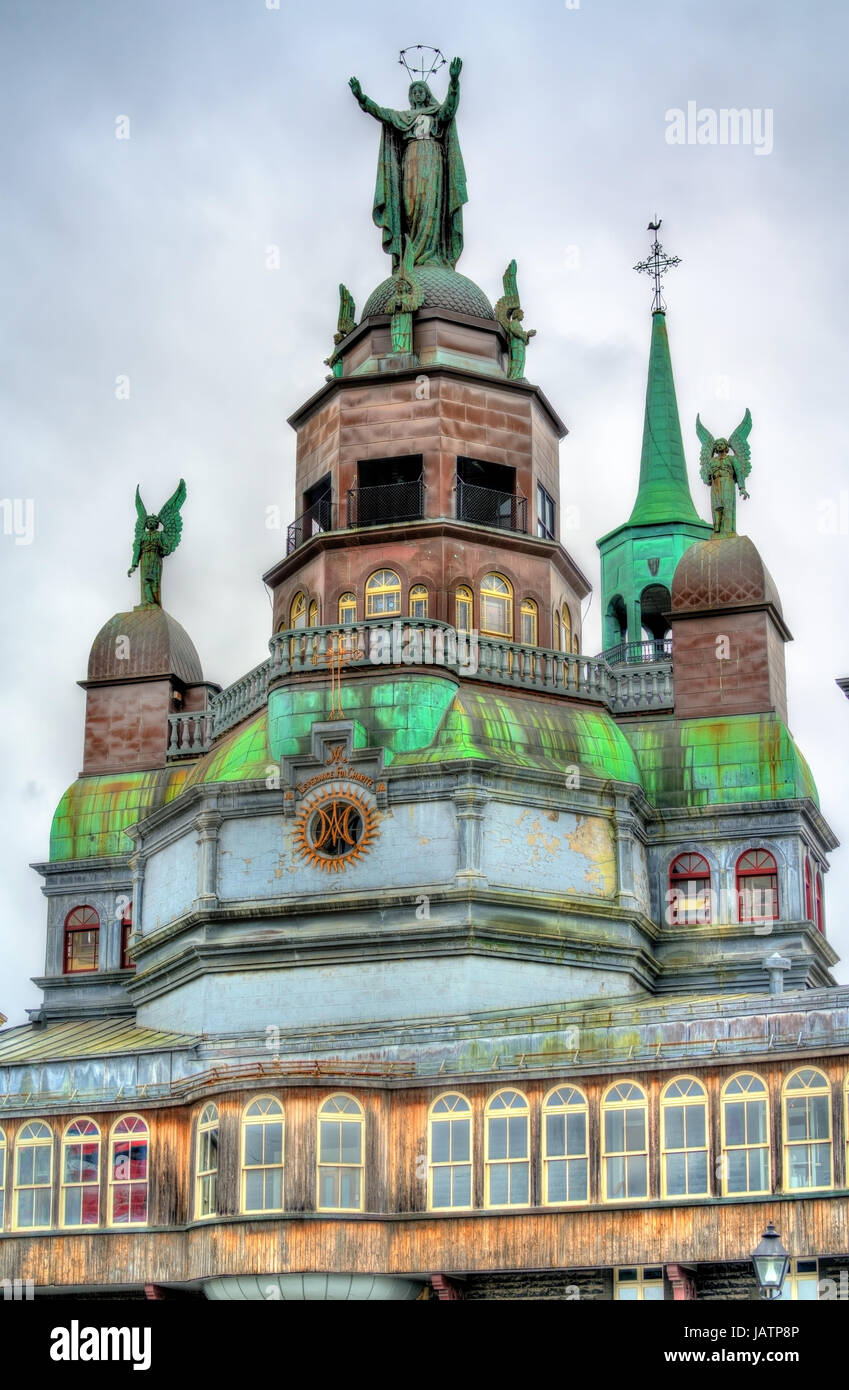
(386,502)
(489,506)
(317,518)
(635,653)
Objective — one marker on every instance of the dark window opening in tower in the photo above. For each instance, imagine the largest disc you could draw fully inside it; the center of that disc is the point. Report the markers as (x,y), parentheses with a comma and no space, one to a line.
(655,603)
(318,514)
(615,622)
(486,495)
(387,490)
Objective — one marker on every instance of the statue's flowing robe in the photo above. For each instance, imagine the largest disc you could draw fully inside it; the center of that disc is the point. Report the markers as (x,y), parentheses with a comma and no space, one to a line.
(421,182)
(723,497)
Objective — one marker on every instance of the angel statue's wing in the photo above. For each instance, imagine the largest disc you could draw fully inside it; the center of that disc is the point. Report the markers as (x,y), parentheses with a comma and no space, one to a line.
(707,442)
(172,522)
(141,518)
(510,298)
(347,321)
(739,442)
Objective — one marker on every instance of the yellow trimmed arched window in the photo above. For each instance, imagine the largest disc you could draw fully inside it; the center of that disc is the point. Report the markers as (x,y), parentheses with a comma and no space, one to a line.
(576,646)
(206,1168)
(129,1146)
(463,605)
(745,1135)
(348,608)
(341,1124)
(565,1151)
(684,1139)
(313,622)
(383,594)
(418,601)
(262,1155)
(624,1143)
(32,1208)
(2,1176)
(528,623)
(566,622)
(79,1201)
(496,606)
(298,611)
(449,1169)
(807,1131)
(558,636)
(507,1168)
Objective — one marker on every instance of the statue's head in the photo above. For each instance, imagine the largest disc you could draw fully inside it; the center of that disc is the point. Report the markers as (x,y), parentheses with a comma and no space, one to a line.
(151,523)
(720,446)
(420,95)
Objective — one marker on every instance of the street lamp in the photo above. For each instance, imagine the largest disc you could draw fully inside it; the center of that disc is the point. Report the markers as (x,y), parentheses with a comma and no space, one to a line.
(771,1263)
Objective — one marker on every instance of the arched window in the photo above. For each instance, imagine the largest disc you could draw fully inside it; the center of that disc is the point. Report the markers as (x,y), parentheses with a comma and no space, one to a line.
(418,601)
(807,1130)
(127,962)
(565,1152)
(624,1129)
(262,1155)
(528,624)
(79,1203)
(313,622)
(689,890)
(206,1166)
(383,593)
(820,920)
(82,939)
(683,1139)
(566,619)
(496,606)
(298,611)
(576,645)
(33,1206)
(507,1163)
(348,608)
(128,1172)
(745,1135)
(463,601)
(757,886)
(558,637)
(449,1154)
(340,1154)
(2,1176)
(809,891)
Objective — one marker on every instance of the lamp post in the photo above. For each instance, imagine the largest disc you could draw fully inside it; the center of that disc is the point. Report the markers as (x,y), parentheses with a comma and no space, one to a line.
(771,1263)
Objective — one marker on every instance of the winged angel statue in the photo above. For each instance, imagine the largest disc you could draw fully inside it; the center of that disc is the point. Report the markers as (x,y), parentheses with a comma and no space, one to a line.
(509,313)
(725,465)
(151,544)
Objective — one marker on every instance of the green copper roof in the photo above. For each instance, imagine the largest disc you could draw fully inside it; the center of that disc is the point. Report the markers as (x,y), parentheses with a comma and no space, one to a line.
(94,812)
(241,755)
(701,762)
(664,492)
(88,1037)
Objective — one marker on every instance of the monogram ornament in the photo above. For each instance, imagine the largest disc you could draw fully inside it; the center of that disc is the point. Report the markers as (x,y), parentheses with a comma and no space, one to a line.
(334,828)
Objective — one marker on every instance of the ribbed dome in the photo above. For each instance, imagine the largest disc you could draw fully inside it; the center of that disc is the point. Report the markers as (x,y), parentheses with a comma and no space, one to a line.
(156,645)
(443,289)
(723,572)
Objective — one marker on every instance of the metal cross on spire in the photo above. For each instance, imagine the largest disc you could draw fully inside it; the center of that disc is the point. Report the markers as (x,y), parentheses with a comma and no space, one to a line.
(657,265)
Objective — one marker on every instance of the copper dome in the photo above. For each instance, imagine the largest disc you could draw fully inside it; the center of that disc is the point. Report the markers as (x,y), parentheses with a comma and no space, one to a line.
(155,645)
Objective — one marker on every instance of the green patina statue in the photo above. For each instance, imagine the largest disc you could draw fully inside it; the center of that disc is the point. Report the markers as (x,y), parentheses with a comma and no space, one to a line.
(421,180)
(510,314)
(725,465)
(151,545)
(345,324)
(407,296)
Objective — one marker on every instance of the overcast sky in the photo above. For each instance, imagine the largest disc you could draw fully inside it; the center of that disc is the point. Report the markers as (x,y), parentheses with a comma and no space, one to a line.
(146,258)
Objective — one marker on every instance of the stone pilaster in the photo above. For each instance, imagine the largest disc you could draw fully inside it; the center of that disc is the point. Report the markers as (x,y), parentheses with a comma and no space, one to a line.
(469,804)
(207,825)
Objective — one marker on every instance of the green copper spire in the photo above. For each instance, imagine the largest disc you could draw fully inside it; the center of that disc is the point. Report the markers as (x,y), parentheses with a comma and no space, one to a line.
(664,492)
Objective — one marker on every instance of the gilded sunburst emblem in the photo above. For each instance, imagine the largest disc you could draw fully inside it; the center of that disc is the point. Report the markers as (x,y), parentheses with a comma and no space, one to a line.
(335,828)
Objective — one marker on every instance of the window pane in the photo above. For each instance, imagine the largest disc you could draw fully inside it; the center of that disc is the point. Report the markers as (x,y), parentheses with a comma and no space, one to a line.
(253,1144)
(462,1187)
(440,1141)
(819,1108)
(441,1187)
(557,1182)
(676,1175)
(555,1134)
(821,1165)
(42,1163)
(253,1191)
(695,1126)
(576,1134)
(461,1139)
(735,1129)
(577,1179)
(756,1121)
(330,1141)
(350,1187)
(274,1190)
(737,1171)
(615,1177)
(637,1177)
(73,1206)
(635,1130)
(757,1169)
(519,1183)
(498,1138)
(518,1132)
(498,1190)
(697,1173)
(351,1146)
(614,1131)
(796,1109)
(652,1293)
(674,1127)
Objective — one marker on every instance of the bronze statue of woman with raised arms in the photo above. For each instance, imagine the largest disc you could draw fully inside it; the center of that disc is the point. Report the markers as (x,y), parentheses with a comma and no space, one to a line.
(421,181)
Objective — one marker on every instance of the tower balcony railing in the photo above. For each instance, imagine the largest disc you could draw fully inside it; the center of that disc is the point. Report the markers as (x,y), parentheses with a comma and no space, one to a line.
(636,653)
(317,518)
(489,506)
(382,643)
(386,503)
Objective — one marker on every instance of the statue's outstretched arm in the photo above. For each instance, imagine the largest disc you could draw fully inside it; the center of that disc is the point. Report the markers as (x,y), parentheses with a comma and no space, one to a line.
(452,100)
(380,113)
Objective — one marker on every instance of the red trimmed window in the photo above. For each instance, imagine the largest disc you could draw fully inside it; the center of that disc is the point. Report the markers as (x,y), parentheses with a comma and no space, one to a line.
(809,891)
(128,1173)
(818,904)
(689,889)
(757,887)
(82,940)
(127,962)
